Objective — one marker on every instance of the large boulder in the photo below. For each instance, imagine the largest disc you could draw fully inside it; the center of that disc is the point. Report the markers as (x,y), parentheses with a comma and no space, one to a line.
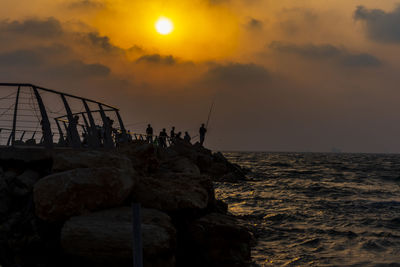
(74,159)
(5,199)
(175,193)
(105,238)
(23,184)
(217,240)
(143,156)
(62,195)
(182,165)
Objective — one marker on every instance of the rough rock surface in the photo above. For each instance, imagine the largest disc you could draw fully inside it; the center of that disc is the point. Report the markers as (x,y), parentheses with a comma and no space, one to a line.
(68,160)
(143,156)
(174,192)
(182,165)
(218,240)
(24,183)
(61,195)
(105,238)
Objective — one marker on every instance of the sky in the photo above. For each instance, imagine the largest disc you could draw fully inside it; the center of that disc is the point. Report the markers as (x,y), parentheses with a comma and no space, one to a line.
(284,75)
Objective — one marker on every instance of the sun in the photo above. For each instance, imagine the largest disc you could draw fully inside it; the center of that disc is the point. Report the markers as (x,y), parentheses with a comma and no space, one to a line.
(164,26)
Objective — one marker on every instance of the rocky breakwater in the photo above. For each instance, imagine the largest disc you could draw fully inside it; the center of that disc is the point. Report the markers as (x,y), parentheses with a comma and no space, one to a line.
(72,207)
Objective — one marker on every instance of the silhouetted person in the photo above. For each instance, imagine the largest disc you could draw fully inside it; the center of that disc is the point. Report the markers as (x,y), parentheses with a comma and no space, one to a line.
(202,132)
(172,133)
(149,133)
(178,136)
(71,130)
(187,137)
(163,138)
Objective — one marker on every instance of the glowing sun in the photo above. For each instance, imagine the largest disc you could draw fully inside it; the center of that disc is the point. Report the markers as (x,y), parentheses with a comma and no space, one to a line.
(164,26)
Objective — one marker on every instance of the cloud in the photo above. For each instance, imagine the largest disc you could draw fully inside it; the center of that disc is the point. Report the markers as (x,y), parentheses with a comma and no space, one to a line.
(237,74)
(325,52)
(79,70)
(295,20)
(157,59)
(381,26)
(43,28)
(254,24)
(20,58)
(86,4)
(102,42)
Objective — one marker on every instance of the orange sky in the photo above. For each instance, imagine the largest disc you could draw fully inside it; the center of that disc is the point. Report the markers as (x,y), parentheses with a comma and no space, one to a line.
(286,75)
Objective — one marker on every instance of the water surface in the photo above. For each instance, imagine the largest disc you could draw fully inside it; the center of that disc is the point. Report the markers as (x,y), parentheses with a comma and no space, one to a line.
(316,209)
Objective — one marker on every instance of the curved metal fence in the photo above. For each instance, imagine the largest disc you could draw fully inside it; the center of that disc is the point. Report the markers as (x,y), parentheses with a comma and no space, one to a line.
(31,115)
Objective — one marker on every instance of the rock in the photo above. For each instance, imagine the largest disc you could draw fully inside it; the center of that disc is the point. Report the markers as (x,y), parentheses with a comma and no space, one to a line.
(23,184)
(4,197)
(32,156)
(10,175)
(74,159)
(105,238)
(218,240)
(175,193)
(142,155)
(62,195)
(182,165)
(232,177)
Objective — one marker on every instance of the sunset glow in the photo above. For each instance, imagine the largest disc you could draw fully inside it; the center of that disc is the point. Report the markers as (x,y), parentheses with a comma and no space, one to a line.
(164,26)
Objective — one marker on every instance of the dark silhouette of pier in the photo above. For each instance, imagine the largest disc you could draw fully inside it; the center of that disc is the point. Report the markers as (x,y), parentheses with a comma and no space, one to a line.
(31,115)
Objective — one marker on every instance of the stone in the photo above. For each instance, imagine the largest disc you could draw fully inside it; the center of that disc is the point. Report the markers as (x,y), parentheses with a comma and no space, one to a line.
(23,184)
(142,155)
(182,165)
(62,195)
(10,175)
(74,159)
(4,197)
(175,193)
(218,240)
(105,238)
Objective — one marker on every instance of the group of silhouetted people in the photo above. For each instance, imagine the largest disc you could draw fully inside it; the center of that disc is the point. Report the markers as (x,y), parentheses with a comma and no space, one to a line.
(173,137)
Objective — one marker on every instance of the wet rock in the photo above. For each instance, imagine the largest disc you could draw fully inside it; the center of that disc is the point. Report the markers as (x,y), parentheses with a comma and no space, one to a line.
(62,195)
(174,193)
(218,240)
(105,238)
(23,184)
(69,160)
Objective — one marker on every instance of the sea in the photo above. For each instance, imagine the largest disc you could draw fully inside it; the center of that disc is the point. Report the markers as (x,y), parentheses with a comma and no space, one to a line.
(319,209)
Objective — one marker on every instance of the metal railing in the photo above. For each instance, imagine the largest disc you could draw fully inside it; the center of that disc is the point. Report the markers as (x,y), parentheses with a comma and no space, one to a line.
(28,117)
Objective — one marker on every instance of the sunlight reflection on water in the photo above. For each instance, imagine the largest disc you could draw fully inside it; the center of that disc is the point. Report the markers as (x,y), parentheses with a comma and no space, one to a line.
(313,209)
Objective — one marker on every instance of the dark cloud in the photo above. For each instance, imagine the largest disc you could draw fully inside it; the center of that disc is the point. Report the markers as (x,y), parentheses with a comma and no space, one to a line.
(295,20)
(237,74)
(255,24)
(102,42)
(360,60)
(157,59)
(327,51)
(78,70)
(86,4)
(380,25)
(46,28)
(20,58)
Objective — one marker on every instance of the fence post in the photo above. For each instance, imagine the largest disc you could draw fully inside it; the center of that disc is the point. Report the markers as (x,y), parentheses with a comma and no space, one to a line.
(72,125)
(121,125)
(137,236)
(46,129)
(15,118)
(93,136)
(108,142)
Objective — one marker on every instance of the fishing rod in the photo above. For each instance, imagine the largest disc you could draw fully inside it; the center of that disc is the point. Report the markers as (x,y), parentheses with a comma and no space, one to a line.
(209,113)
